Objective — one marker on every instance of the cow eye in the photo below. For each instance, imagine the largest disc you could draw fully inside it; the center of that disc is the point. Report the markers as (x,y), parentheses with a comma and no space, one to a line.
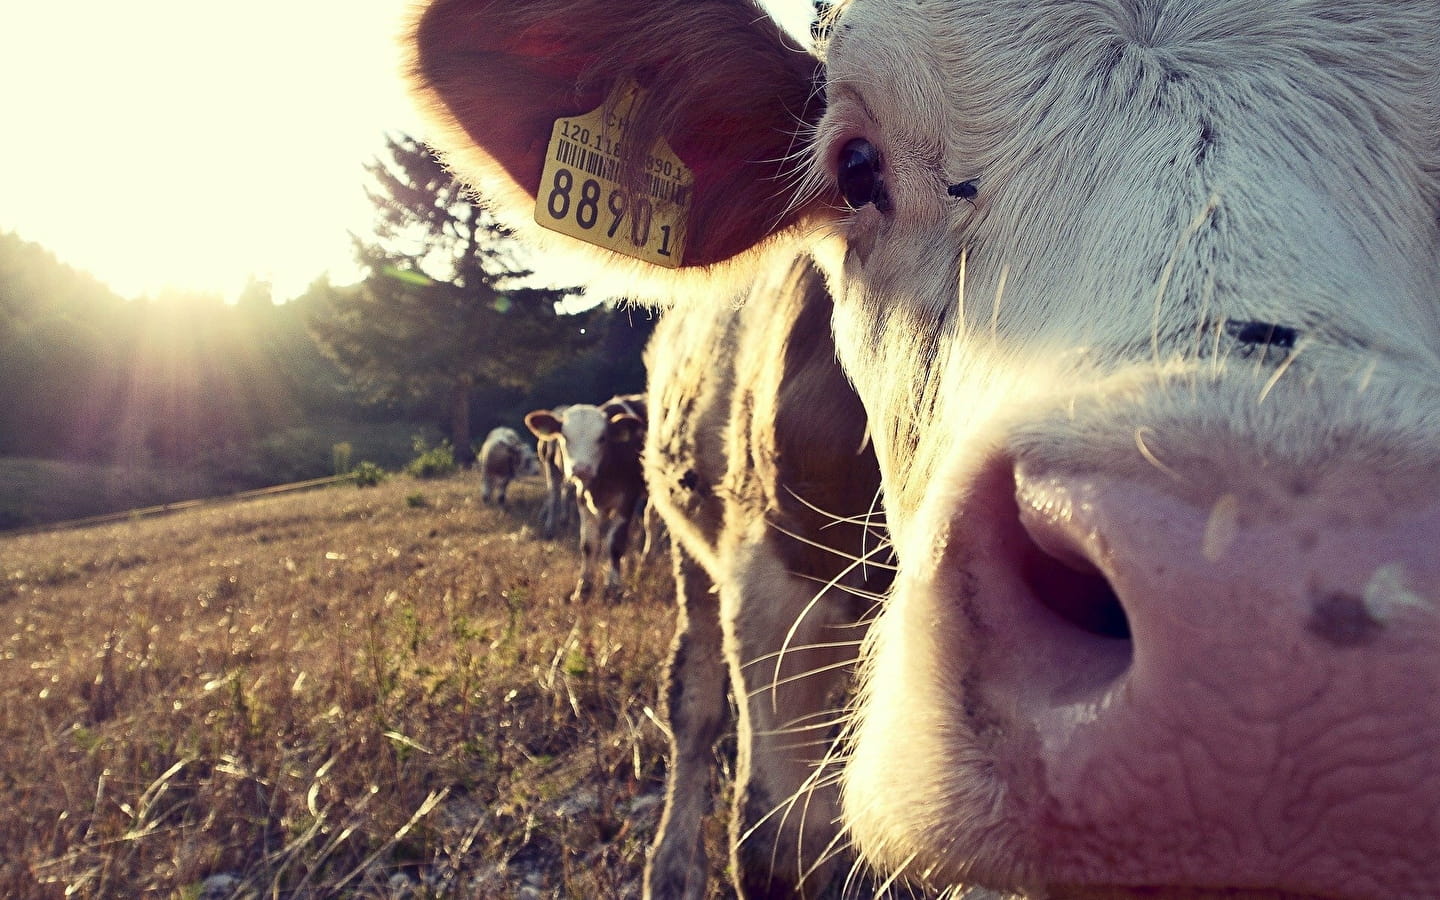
(858,176)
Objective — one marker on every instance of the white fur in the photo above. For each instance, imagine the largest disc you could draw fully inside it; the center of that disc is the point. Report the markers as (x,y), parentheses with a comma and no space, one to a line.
(1097,271)
(580,441)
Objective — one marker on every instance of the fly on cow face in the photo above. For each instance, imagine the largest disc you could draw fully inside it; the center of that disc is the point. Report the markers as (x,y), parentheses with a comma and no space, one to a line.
(1264,333)
(965,190)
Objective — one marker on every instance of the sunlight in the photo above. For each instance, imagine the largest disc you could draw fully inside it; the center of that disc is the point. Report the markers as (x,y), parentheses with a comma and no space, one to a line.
(192,146)
(168,144)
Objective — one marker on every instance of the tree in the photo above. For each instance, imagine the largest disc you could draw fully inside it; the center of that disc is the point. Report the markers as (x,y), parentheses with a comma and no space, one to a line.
(824,19)
(447,306)
(181,378)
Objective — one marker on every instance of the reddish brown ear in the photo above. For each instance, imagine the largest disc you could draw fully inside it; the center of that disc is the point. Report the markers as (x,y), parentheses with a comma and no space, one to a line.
(624,429)
(543,424)
(724,87)
(632,404)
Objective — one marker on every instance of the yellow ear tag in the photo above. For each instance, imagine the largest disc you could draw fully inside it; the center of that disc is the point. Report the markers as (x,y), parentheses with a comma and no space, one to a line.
(581,195)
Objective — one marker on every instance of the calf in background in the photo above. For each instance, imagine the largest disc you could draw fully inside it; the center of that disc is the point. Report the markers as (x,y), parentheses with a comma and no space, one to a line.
(599,450)
(502,460)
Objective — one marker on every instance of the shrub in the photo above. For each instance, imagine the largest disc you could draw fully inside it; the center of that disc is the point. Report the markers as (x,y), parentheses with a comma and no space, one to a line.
(367,474)
(432,462)
(340,456)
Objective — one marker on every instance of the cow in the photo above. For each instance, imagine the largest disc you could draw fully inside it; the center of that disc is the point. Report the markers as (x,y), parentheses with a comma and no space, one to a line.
(1141,299)
(599,450)
(559,510)
(757,459)
(502,459)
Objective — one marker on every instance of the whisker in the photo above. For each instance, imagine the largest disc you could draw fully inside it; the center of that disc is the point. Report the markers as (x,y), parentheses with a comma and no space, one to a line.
(960,291)
(791,730)
(840,715)
(775,680)
(798,746)
(1168,271)
(895,875)
(835,551)
(995,308)
(791,679)
(849,590)
(858,873)
(1150,456)
(1280,371)
(839,718)
(823,775)
(806,790)
(836,846)
(836,519)
(800,648)
(790,635)
(883,538)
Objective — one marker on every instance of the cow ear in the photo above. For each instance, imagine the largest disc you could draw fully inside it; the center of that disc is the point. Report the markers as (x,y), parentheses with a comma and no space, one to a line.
(543,424)
(626,403)
(621,406)
(723,85)
(624,429)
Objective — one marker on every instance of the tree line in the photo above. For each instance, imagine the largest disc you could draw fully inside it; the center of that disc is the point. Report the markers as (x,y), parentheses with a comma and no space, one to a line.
(449,330)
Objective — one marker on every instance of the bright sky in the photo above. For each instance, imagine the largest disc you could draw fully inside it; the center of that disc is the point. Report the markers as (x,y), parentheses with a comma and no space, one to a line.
(175,143)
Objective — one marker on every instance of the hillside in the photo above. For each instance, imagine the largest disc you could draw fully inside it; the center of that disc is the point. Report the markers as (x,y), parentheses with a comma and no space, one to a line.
(349,692)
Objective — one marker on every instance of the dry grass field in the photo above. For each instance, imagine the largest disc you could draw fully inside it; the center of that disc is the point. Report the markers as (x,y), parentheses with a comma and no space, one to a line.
(348,692)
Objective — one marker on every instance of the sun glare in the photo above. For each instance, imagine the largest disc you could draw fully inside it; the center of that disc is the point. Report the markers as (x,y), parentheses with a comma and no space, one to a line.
(167,144)
(190,145)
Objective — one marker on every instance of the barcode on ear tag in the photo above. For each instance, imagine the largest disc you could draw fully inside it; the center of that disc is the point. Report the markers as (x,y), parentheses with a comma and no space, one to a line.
(581,196)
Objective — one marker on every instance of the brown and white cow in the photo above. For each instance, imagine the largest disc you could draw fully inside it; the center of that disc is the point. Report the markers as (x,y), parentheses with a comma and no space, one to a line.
(599,449)
(502,457)
(757,460)
(1142,301)
(559,510)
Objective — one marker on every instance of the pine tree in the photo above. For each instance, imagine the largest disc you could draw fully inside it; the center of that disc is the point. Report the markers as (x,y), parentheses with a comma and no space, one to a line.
(824,19)
(447,306)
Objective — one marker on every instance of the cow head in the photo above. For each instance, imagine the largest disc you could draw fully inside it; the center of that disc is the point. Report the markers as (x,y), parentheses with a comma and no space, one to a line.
(1142,298)
(584,432)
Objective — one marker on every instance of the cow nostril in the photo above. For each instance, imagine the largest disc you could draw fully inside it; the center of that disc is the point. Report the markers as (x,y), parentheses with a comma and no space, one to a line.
(1056,559)
(1069,586)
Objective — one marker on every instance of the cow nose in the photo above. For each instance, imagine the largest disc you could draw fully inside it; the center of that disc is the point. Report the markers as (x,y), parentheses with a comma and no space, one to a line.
(1159,682)
(1260,643)
(1122,560)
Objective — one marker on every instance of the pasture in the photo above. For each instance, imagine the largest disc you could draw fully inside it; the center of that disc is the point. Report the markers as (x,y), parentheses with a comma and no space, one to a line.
(377,692)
